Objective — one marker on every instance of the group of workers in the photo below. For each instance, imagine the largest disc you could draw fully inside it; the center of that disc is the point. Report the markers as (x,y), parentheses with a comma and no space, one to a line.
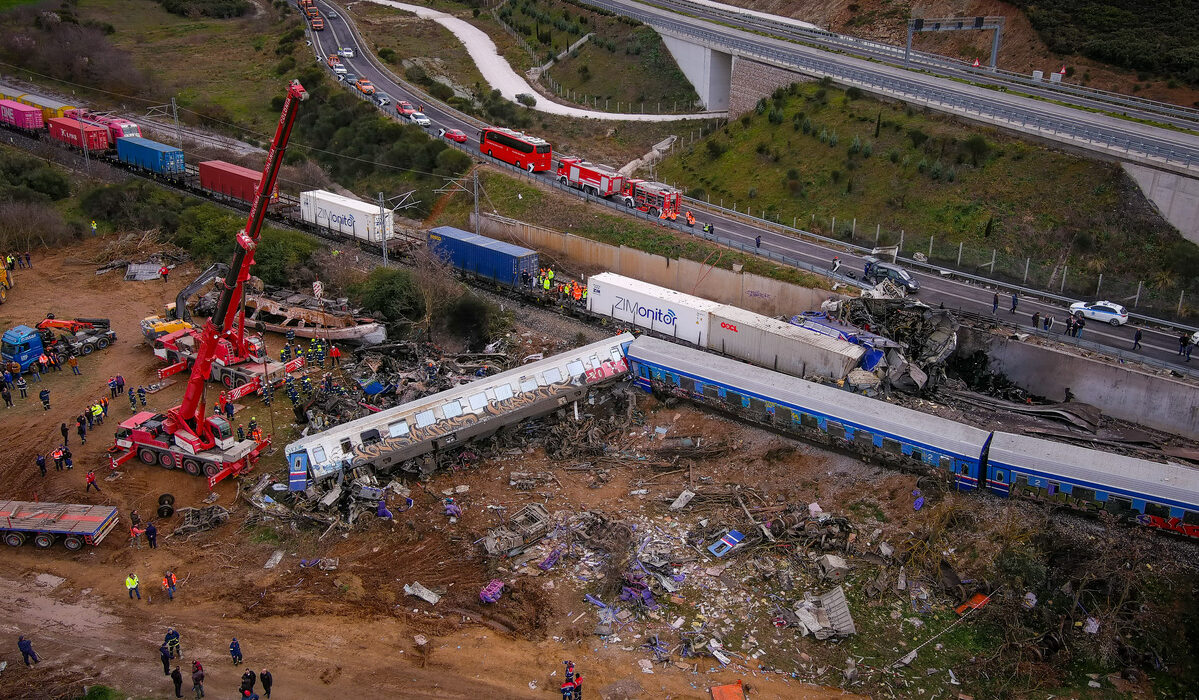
(546,283)
(13,261)
(314,355)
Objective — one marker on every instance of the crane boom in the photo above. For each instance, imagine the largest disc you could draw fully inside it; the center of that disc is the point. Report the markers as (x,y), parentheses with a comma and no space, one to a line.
(189,415)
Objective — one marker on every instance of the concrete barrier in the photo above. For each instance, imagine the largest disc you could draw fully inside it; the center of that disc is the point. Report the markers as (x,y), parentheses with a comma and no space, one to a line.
(1133,395)
(764,295)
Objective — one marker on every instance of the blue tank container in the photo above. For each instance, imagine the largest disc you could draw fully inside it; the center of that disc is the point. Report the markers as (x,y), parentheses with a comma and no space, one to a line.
(482,256)
(150,155)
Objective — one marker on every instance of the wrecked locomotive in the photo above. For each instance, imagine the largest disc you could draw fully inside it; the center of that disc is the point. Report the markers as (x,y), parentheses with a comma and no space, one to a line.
(400,437)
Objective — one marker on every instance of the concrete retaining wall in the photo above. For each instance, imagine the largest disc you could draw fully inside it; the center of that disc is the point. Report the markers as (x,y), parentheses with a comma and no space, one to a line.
(1175,196)
(751,81)
(764,295)
(1132,395)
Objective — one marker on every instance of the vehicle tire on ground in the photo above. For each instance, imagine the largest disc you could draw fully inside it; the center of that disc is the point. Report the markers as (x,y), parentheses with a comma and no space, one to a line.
(43,540)
(653,212)
(86,349)
(14,539)
(1115,322)
(166,460)
(147,456)
(166,510)
(73,543)
(192,467)
(167,499)
(518,164)
(563,181)
(102,343)
(211,469)
(240,381)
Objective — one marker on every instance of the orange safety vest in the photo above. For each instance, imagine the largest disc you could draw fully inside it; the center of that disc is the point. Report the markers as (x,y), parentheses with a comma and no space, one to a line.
(168,581)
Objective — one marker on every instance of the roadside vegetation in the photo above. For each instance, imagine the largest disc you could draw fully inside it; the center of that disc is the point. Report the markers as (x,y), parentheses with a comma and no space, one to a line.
(812,152)
(206,8)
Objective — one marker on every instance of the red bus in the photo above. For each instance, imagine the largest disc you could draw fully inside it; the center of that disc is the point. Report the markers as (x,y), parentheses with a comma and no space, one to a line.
(523,151)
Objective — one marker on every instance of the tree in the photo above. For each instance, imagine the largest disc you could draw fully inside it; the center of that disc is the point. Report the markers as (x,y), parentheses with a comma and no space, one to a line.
(436,285)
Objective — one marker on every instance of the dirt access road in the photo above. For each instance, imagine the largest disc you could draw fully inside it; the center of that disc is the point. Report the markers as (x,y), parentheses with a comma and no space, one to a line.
(322,634)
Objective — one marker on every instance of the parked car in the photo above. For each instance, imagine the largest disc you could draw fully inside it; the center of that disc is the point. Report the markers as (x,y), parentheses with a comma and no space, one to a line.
(345,53)
(419,119)
(382,99)
(453,135)
(876,270)
(349,78)
(339,69)
(1106,311)
(364,86)
(404,108)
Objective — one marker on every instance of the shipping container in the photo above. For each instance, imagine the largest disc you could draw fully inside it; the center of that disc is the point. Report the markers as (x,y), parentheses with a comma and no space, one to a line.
(51,108)
(483,256)
(649,306)
(8,92)
(780,346)
(21,116)
(348,216)
(229,180)
(150,155)
(71,131)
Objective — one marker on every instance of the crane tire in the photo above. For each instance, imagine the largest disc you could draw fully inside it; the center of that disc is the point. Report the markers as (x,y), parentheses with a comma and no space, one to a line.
(166,499)
(166,510)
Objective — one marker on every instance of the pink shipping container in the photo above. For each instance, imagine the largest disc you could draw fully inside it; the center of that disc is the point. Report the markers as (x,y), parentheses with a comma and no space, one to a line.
(70,132)
(231,180)
(21,116)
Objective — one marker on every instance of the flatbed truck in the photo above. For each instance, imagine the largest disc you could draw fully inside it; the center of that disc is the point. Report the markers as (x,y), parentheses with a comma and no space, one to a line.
(45,523)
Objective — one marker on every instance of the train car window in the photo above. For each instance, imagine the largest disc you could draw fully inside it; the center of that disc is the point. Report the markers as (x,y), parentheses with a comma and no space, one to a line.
(1118,505)
(528,384)
(946,462)
(862,438)
(835,429)
(478,401)
(575,368)
(346,446)
(891,445)
(553,375)
(999,477)
(784,415)
(808,420)
(1053,487)
(757,406)
(643,371)
(318,455)
(732,398)
(503,392)
(712,391)
(916,454)
(452,409)
(370,437)
(595,362)
(1157,509)
(1082,493)
(1190,517)
(616,356)
(425,419)
(398,429)
(687,383)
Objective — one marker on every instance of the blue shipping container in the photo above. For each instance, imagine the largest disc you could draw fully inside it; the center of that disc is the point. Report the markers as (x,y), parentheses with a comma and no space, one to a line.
(150,155)
(483,256)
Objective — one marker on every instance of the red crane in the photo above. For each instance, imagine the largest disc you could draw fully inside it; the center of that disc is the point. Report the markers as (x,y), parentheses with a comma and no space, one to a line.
(185,437)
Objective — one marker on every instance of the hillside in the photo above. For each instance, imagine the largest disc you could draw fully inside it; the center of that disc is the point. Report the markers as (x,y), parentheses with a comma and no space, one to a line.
(1081,36)
(815,153)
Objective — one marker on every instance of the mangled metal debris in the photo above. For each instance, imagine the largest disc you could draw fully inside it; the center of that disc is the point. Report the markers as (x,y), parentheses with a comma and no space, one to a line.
(417,590)
(526,527)
(825,616)
(200,519)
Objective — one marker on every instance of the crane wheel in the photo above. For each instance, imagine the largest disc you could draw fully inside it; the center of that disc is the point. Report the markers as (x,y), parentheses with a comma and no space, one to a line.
(166,499)
(102,343)
(86,349)
(147,456)
(166,510)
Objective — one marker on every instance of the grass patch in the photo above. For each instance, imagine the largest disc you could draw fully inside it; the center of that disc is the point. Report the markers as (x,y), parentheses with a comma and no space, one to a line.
(418,42)
(265,533)
(518,199)
(615,70)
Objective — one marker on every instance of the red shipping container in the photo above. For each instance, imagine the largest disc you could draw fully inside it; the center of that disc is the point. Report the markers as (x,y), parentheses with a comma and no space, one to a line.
(70,131)
(21,116)
(231,180)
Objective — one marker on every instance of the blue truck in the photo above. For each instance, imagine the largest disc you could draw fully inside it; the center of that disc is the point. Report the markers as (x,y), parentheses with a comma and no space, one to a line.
(481,256)
(153,156)
(80,336)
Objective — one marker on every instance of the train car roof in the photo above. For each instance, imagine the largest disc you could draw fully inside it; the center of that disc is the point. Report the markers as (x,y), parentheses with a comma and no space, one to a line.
(652,290)
(383,418)
(874,415)
(791,331)
(149,143)
(1171,482)
(47,102)
(482,241)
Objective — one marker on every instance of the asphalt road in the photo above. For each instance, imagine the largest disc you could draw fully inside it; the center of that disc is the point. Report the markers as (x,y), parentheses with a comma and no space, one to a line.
(1160,344)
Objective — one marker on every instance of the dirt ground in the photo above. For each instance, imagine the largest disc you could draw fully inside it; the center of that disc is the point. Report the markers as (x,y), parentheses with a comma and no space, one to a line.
(321,633)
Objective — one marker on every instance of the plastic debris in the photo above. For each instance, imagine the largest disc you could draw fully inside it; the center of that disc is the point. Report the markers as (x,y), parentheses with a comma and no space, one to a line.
(416,589)
(492,591)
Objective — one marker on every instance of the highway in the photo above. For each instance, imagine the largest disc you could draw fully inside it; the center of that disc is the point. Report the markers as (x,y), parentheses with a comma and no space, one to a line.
(954,293)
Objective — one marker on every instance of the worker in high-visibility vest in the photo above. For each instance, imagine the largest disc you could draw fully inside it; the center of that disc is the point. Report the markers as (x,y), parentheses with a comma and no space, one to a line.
(690,220)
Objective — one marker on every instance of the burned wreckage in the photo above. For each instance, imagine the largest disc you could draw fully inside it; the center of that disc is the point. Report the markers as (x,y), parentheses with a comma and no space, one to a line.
(412,436)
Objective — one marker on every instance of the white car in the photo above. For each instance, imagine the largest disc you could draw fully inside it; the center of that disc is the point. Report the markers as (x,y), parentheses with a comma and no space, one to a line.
(345,53)
(419,119)
(339,69)
(1106,311)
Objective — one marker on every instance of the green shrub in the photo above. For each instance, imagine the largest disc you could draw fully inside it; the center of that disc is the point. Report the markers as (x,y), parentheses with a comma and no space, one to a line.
(918,137)
(391,292)
(219,9)
(387,54)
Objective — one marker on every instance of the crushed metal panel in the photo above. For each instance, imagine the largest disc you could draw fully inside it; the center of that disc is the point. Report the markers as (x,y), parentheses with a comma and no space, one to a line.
(837,608)
(142,272)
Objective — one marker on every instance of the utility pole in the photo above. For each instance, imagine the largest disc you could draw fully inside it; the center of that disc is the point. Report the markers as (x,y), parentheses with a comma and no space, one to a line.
(403,201)
(383,213)
(172,111)
(87,164)
(475,173)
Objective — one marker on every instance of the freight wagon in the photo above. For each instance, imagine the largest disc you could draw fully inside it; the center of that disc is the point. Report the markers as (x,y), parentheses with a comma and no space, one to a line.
(45,523)
(21,116)
(158,158)
(51,108)
(349,217)
(72,132)
(230,181)
(663,311)
(484,257)
(780,346)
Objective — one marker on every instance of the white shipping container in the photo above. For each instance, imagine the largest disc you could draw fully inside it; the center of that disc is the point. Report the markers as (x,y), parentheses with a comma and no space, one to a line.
(780,346)
(649,306)
(352,217)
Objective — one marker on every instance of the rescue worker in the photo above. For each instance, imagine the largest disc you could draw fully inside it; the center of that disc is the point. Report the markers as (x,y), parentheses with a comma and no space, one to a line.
(163,272)
(152,536)
(172,640)
(141,395)
(41,464)
(91,482)
(97,413)
(235,651)
(22,386)
(132,400)
(44,395)
(28,655)
(690,219)
(131,583)
(168,584)
(241,433)
(256,435)
(197,679)
(335,353)
(164,654)
(229,411)
(267,681)
(57,455)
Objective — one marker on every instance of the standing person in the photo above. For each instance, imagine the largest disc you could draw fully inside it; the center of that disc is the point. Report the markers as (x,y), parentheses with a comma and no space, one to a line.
(1036,320)
(41,464)
(168,584)
(57,455)
(1079,324)
(89,417)
(135,539)
(79,427)
(267,682)
(198,679)
(73,363)
(120,386)
(235,651)
(164,271)
(7,396)
(995,304)
(758,242)
(141,395)
(132,400)
(152,539)
(112,387)
(1190,346)
(66,458)
(1015,301)
(66,432)
(28,263)
(248,679)
(131,583)
(91,482)
(335,355)
(44,395)
(1136,339)
(28,655)
(165,656)
(172,642)
(1183,340)
(22,386)
(177,679)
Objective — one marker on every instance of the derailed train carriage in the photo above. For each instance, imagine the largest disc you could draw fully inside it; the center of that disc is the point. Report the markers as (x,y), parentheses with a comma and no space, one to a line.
(407,437)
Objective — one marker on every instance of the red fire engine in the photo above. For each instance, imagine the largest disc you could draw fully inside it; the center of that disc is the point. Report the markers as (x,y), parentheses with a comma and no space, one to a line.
(654,198)
(186,437)
(599,180)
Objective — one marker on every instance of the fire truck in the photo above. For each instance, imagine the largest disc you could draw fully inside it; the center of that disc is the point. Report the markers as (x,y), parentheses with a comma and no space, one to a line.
(599,180)
(187,437)
(654,198)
